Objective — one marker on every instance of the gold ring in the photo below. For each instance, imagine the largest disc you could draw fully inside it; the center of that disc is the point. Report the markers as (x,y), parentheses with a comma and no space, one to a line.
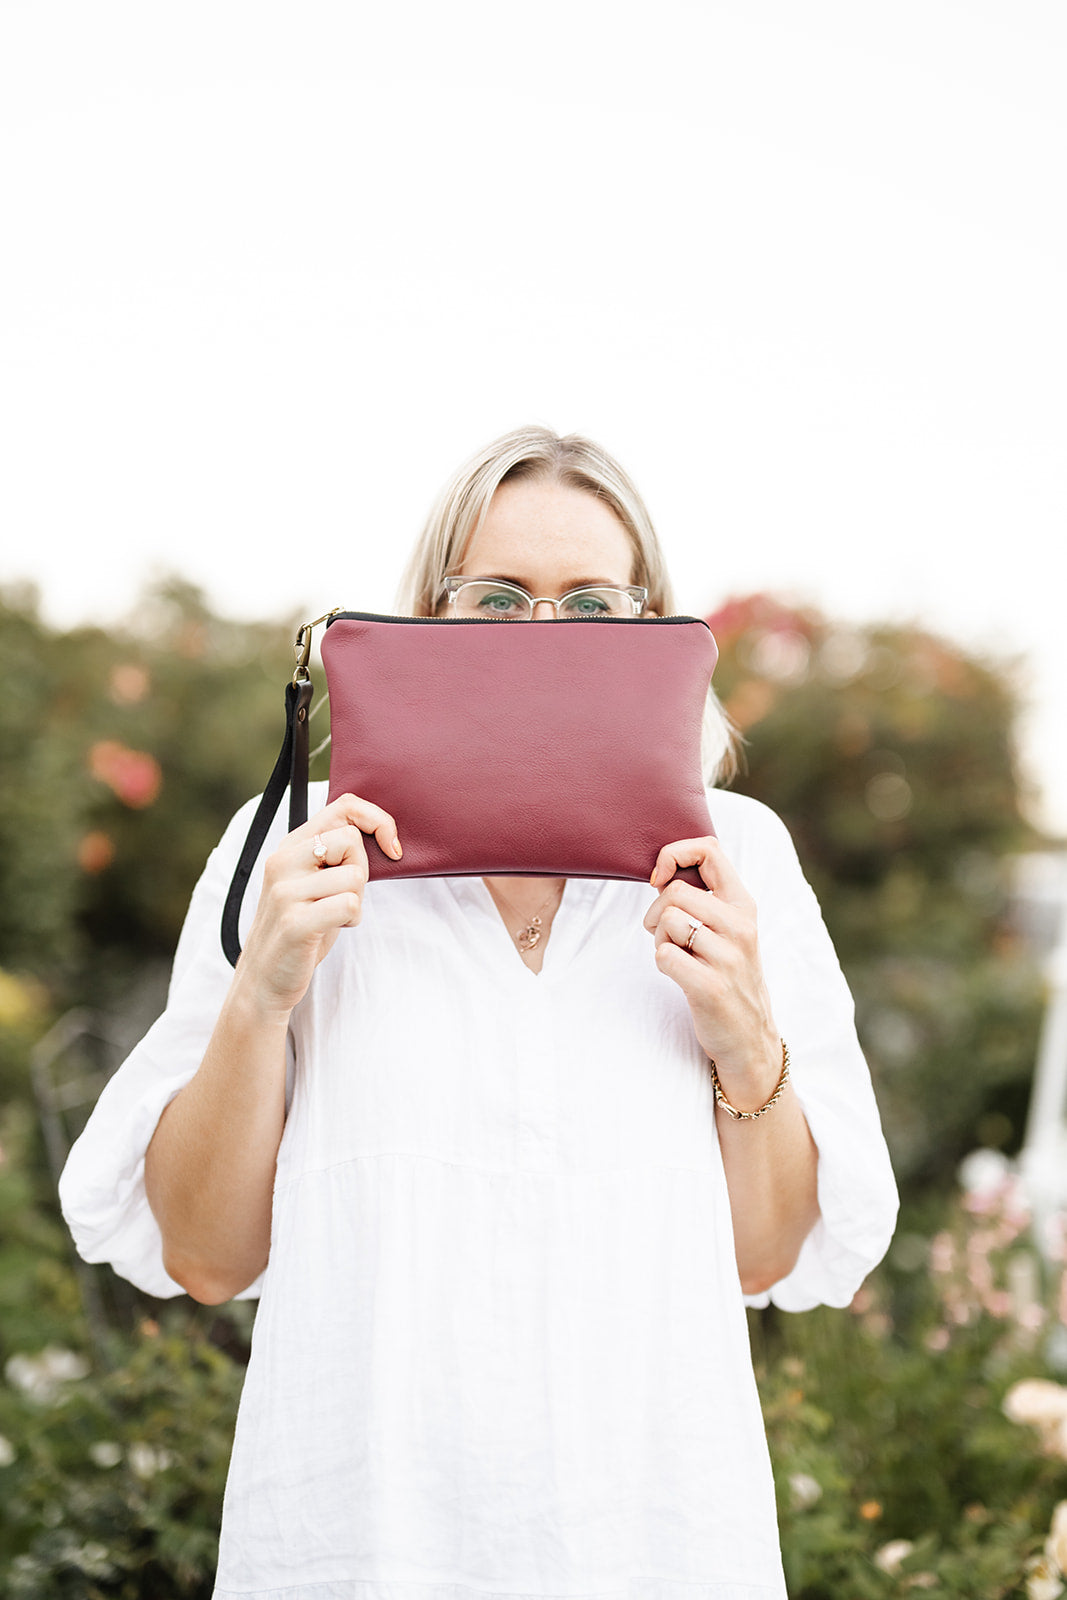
(694,929)
(318,850)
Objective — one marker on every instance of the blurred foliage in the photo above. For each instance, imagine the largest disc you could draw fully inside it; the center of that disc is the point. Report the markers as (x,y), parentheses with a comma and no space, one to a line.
(124,754)
(113,1461)
(898,1464)
(890,755)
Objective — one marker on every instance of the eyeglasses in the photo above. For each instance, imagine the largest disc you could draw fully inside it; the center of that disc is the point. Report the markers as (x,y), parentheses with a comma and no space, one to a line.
(507,602)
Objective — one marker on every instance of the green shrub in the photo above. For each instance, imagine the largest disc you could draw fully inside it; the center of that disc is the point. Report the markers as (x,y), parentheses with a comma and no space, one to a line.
(114,1481)
(896,1464)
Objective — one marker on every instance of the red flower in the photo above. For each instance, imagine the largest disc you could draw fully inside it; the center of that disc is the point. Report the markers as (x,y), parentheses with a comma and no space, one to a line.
(133,775)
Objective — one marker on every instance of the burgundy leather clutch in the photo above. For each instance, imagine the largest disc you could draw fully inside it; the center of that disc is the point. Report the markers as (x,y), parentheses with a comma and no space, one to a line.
(547,749)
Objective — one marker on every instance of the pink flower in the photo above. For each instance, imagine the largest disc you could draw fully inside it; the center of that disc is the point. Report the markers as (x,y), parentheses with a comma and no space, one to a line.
(96,851)
(133,775)
(1032,1318)
(942,1253)
(998,1303)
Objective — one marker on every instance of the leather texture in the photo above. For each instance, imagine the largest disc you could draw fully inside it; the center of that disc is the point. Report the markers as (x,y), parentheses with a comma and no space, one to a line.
(290,774)
(550,749)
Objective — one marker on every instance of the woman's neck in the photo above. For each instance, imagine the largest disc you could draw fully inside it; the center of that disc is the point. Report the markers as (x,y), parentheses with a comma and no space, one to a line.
(527,906)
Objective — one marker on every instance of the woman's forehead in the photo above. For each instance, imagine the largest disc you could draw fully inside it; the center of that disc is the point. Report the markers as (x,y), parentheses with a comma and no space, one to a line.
(538,525)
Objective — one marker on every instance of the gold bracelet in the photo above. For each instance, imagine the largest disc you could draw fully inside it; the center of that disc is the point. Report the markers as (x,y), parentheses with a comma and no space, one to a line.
(747,1116)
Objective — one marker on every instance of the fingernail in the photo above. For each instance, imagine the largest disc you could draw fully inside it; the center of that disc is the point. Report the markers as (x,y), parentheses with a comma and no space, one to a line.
(397,849)
(652,880)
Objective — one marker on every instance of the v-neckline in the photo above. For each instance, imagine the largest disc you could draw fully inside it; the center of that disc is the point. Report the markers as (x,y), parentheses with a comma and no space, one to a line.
(533,925)
(564,937)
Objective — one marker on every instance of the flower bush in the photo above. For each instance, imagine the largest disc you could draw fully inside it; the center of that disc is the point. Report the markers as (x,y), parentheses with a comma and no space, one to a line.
(919,1440)
(112,1460)
(111,1483)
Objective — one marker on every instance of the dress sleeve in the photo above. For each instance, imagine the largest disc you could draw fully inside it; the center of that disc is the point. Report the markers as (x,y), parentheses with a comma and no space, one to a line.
(101,1189)
(815,1013)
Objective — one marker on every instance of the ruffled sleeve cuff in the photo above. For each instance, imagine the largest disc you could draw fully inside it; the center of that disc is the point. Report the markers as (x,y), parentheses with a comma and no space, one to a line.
(814,1011)
(857,1214)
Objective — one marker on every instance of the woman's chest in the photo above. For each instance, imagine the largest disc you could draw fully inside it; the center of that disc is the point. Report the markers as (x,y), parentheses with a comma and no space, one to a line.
(426,1034)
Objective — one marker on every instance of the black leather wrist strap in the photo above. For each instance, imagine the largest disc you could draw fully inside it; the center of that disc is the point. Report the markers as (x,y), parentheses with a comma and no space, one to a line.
(290,771)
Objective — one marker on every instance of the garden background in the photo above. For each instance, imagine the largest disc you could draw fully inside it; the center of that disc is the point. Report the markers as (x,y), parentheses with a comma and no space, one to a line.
(269,272)
(912,1449)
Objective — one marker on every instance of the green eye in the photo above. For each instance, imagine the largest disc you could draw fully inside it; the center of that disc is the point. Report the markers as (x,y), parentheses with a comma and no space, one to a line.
(500,603)
(587,603)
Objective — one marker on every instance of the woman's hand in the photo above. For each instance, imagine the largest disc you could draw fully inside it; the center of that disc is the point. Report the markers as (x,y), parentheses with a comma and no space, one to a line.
(771,1163)
(210,1165)
(310,894)
(717,967)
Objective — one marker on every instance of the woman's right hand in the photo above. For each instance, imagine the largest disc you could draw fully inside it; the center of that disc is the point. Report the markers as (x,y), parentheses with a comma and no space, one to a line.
(305,903)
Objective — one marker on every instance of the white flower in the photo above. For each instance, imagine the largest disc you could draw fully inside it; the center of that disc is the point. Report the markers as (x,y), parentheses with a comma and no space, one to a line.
(7,1452)
(805,1490)
(942,1253)
(1042,1583)
(984,1172)
(146,1461)
(40,1377)
(1038,1401)
(1056,1543)
(63,1366)
(21,1373)
(889,1557)
(95,1559)
(105,1453)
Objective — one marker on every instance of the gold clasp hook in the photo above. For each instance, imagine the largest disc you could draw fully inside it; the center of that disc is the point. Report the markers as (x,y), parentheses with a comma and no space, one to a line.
(303,644)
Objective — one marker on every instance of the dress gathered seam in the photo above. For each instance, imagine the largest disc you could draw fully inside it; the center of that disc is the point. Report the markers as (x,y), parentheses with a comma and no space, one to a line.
(290,1180)
(698,1589)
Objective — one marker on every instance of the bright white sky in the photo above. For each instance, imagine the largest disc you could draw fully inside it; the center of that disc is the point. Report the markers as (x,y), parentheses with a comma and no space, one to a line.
(269,272)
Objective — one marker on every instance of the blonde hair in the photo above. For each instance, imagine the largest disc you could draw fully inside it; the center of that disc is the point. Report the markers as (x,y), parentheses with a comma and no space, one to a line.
(578,463)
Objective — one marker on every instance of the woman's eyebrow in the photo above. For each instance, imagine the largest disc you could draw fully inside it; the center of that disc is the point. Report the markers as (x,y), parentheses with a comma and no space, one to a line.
(595,583)
(573,583)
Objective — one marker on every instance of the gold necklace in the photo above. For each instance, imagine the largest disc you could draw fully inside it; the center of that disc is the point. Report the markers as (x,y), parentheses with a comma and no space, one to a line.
(529,936)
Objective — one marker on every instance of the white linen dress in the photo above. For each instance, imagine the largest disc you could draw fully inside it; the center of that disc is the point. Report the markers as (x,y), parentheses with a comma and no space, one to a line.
(501,1350)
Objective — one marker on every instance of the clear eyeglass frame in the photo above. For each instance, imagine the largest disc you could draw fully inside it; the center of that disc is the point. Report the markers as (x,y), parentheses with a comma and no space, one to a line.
(627,602)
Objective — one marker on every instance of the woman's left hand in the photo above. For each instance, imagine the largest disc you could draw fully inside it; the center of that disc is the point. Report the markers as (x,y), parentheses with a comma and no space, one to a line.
(771,1165)
(717,966)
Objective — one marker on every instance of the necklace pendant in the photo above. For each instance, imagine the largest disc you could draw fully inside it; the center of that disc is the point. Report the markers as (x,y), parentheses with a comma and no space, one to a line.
(530,936)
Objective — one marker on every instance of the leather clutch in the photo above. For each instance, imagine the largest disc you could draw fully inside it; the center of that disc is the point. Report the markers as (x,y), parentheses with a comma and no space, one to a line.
(542,749)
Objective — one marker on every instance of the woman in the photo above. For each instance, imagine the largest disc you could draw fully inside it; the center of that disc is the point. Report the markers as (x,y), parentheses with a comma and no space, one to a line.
(503,1157)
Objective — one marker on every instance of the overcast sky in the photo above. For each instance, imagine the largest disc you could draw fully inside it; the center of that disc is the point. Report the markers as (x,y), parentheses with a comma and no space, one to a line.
(270,271)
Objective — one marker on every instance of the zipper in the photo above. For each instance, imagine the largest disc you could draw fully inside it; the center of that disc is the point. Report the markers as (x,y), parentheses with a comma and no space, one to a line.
(341,615)
(305,631)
